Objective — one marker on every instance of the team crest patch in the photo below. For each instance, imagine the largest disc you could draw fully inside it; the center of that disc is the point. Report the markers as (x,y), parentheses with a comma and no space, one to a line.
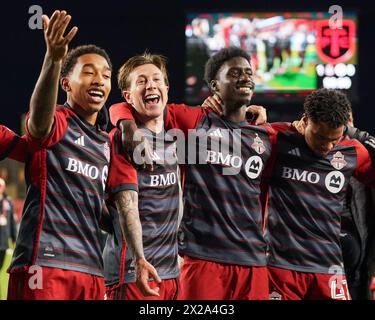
(275,296)
(258,145)
(338,161)
(107,151)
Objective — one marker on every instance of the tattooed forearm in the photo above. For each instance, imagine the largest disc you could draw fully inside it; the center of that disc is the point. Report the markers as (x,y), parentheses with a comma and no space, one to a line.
(127,207)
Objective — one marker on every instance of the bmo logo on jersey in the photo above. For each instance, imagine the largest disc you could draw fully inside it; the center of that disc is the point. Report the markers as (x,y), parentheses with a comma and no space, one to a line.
(300,175)
(161,180)
(226,160)
(253,167)
(87,170)
(335,181)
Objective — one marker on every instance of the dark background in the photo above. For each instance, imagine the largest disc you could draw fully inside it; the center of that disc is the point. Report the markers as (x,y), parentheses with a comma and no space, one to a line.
(125,28)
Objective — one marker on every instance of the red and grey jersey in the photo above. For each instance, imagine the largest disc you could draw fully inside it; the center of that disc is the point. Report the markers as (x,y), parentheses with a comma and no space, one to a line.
(12,145)
(305,201)
(158,201)
(222,218)
(66,174)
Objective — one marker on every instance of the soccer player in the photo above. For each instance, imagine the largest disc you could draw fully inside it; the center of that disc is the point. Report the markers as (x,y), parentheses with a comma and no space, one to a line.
(57,254)
(155,195)
(222,238)
(71,143)
(305,199)
(315,161)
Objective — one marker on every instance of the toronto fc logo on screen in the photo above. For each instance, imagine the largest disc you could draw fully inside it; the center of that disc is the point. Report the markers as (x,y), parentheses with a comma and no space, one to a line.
(335,45)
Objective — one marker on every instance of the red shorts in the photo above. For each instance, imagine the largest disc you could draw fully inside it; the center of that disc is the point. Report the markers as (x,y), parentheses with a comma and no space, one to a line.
(207,280)
(168,290)
(294,285)
(46,283)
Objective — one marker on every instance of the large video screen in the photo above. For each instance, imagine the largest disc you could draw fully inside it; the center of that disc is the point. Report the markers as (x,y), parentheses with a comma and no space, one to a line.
(292,53)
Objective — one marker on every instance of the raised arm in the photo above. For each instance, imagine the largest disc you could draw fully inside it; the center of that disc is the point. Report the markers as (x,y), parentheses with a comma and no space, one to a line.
(44,98)
(127,207)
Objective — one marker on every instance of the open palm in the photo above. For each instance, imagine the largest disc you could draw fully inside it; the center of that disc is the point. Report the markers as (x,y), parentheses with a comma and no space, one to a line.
(54,29)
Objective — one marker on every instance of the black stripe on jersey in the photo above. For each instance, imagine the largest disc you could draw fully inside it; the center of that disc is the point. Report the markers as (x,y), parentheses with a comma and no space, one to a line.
(217,244)
(168,222)
(170,190)
(63,224)
(123,187)
(158,217)
(163,262)
(316,255)
(69,235)
(72,265)
(197,211)
(306,236)
(313,216)
(63,251)
(53,207)
(207,182)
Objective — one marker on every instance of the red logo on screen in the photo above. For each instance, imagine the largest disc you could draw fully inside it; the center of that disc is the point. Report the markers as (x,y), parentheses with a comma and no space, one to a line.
(335,45)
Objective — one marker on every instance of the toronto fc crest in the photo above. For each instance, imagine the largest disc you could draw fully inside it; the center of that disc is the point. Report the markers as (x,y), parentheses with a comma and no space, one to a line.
(338,161)
(258,145)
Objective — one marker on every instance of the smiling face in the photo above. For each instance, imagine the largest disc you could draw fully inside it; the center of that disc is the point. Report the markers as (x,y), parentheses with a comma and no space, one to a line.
(234,83)
(147,91)
(88,84)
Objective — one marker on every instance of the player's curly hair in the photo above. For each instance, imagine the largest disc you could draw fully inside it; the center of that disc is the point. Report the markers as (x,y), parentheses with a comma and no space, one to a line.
(139,60)
(217,60)
(328,105)
(71,58)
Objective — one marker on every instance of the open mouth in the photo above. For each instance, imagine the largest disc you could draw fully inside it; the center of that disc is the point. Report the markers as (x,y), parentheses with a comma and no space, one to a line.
(245,89)
(96,93)
(152,98)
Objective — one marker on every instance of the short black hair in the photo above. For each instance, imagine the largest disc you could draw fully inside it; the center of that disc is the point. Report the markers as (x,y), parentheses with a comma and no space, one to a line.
(71,58)
(217,60)
(329,106)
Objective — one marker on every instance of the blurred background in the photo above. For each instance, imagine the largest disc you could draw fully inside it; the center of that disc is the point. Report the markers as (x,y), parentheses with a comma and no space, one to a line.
(292,46)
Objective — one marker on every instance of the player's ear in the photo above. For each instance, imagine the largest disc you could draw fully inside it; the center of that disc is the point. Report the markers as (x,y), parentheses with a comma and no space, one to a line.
(65,85)
(305,119)
(127,96)
(213,86)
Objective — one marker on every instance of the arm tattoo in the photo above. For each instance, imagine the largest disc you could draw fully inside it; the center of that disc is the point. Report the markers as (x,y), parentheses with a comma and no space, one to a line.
(127,207)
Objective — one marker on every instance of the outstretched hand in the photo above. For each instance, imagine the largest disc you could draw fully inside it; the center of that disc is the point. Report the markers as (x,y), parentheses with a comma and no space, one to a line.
(54,29)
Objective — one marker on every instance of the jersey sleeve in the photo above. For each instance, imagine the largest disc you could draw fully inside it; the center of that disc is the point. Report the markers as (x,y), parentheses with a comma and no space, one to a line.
(12,145)
(365,170)
(57,132)
(176,116)
(180,116)
(122,175)
(120,111)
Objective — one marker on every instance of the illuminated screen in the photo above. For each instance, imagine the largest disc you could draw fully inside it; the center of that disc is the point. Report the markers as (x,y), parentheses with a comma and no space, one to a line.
(292,53)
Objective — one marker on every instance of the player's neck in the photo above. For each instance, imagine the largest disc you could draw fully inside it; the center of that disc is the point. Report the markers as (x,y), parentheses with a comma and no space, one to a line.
(89,117)
(155,125)
(235,115)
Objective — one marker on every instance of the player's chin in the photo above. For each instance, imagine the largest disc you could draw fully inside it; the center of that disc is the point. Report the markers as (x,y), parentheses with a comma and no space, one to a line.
(94,107)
